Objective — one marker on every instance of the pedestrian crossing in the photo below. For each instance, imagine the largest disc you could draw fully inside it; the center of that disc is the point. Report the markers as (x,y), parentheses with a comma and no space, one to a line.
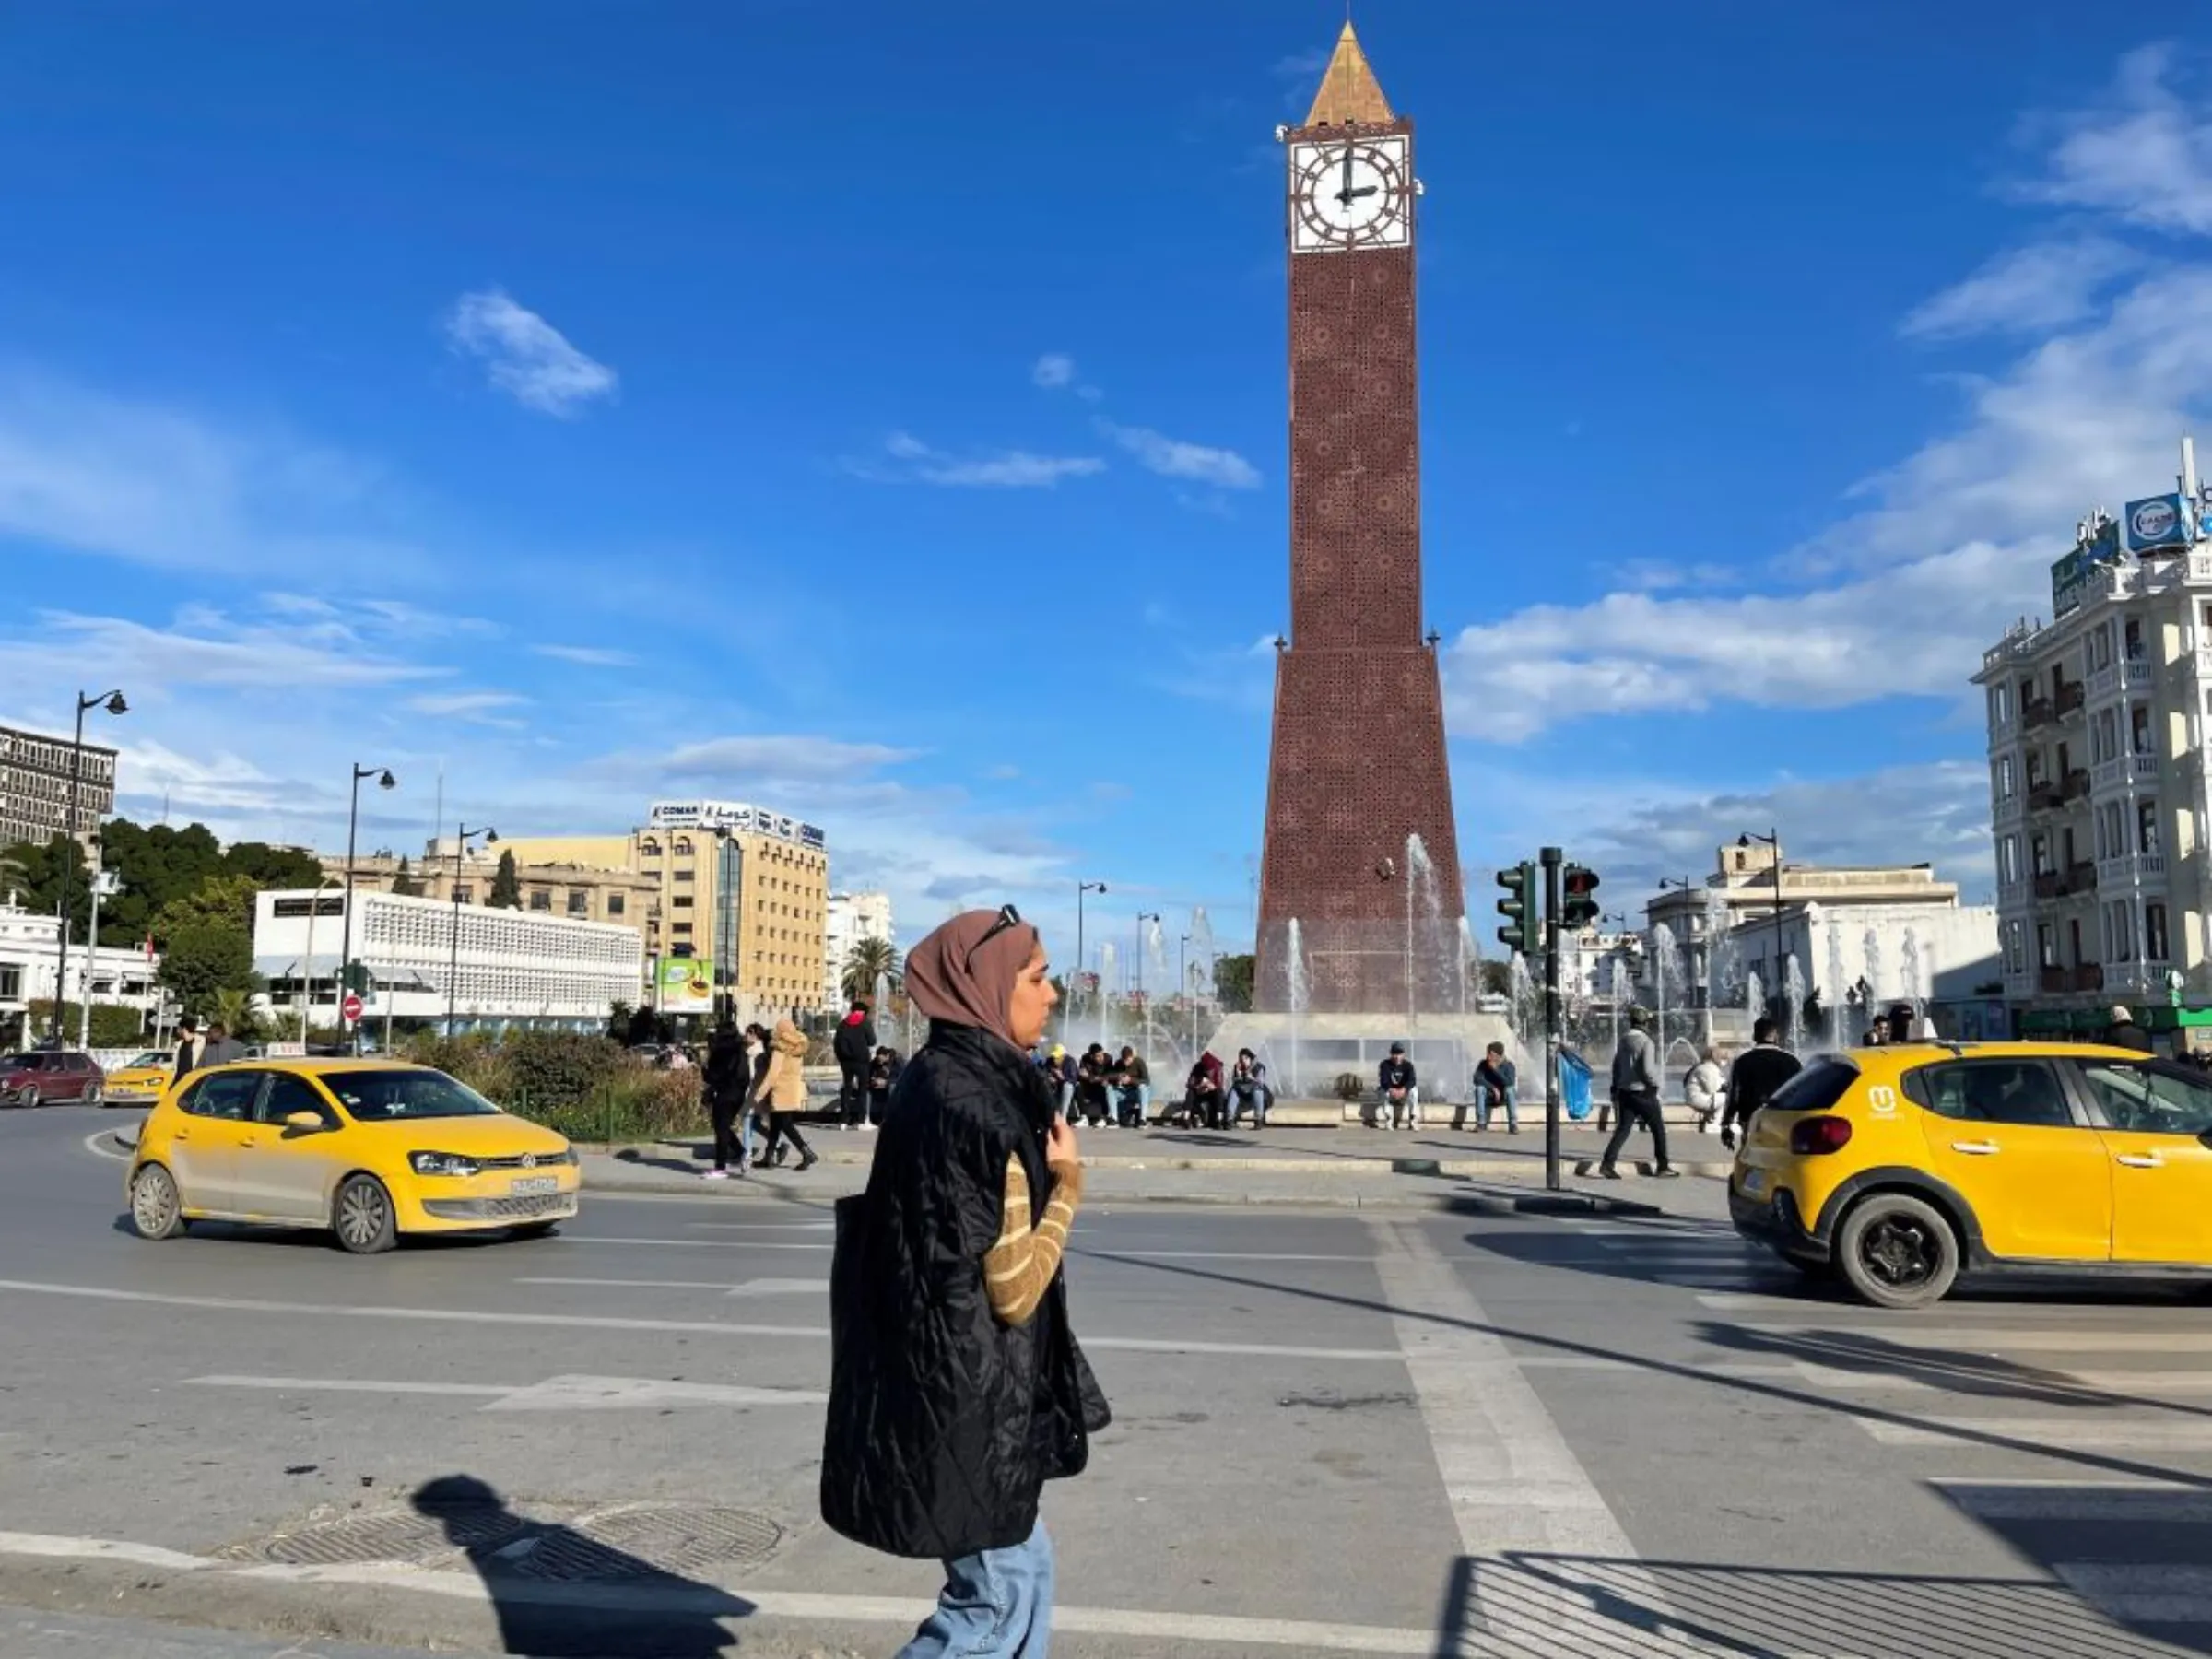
(1686,1254)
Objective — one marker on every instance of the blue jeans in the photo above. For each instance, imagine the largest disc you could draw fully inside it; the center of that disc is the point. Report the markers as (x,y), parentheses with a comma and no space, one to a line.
(996,1605)
(1134,1104)
(1512,1113)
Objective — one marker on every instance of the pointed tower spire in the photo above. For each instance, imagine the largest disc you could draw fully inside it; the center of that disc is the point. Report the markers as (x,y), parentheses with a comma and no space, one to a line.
(1348,90)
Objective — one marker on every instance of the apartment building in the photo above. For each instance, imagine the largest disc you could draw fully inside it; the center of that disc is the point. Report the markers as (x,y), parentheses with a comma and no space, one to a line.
(742,893)
(580,892)
(34,787)
(2098,729)
(850,918)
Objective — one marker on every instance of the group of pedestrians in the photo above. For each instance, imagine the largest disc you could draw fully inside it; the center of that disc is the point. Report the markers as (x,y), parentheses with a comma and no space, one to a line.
(1101,1087)
(755,1078)
(1733,1097)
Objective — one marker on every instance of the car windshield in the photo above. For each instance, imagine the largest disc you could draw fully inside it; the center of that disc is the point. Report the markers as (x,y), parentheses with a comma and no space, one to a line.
(385,1097)
(151,1057)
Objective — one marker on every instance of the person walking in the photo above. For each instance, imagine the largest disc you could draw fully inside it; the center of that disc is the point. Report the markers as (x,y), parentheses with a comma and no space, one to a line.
(190,1046)
(1637,1083)
(2123,1032)
(782,1089)
(853,1047)
(957,1387)
(1758,1071)
(1496,1083)
(1705,1086)
(1398,1089)
(221,1047)
(883,1077)
(727,1079)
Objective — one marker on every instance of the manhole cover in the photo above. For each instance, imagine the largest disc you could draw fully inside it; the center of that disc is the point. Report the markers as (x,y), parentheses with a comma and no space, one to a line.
(411,1536)
(651,1538)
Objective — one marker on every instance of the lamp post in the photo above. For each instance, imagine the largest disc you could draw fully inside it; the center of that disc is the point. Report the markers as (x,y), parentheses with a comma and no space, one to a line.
(1774,839)
(1081,887)
(385,779)
(463,835)
(112,701)
(105,884)
(307,976)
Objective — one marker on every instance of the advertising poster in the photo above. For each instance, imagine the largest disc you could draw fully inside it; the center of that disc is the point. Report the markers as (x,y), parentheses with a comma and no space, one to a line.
(2157,524)
(686,985)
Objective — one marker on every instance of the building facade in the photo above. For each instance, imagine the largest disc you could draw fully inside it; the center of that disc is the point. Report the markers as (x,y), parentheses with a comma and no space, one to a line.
(498,967)
(580,892)
(29,952)
(743,895)
(848,919)
(34,787)
(2098,731)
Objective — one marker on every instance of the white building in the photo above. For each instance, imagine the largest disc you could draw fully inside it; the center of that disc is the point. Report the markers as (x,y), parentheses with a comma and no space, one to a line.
(2098,737)
(1864,957)
(1594,961)
(850,918)
(515,967)
(30,951)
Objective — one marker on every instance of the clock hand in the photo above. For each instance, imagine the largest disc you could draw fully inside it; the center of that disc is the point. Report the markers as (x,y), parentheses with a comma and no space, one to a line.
(1344,192)
(1352,196)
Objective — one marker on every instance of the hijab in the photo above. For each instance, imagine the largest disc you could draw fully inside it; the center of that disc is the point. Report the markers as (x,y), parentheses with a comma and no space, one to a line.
(964,973)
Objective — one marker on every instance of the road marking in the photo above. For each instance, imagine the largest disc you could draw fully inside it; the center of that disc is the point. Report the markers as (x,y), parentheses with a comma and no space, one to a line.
(761,1287)
(2088,1428)
(1970,1339)
(1108,1252)
(1513,1483)
(573,1240)
(591,1322)
(92,1146)
(738,1602)
(2168,1503)
(555,1394)
(767,1226)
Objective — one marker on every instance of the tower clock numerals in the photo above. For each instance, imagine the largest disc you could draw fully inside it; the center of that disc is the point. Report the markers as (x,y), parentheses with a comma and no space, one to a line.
(1349,193)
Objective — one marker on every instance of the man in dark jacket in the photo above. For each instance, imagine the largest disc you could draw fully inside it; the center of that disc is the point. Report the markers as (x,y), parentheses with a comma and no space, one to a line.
(1758,1073)
(854,1048)
(190,1046)
(2123,1032)
(1398,1090)
(728,1079)
(222,1048)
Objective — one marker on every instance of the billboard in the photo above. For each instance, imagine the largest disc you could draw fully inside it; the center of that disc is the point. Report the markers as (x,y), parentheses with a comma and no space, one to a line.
(2096,545)
(732,815)
(684,985)
(2157,524)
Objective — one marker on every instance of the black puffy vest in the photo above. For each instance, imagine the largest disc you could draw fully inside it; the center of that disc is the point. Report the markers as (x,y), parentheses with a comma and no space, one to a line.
(945,1423)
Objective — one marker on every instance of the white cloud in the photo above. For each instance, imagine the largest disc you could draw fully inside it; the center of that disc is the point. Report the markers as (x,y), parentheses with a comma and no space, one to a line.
(220,783)
(586,656)
(525,356)
(1303,65)
(483,708)
(2043,286)
(202,648)
(1002,469)
(774,758)
(1173,458)
(2145,156)
(1053,371)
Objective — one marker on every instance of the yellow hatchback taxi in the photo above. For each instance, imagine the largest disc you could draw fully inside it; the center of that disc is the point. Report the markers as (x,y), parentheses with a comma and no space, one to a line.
(143,1081)
(368,1148)
(1898,1168)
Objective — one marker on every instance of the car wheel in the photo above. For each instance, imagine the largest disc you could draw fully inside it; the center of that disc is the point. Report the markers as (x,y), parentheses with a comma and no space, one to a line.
(156,1210)
(533,1230)
(361,1215)
(1898,1251)
(92,1094)
(27,1096)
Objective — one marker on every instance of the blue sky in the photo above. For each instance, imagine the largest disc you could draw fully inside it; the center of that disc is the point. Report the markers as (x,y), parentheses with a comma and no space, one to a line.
(878,410)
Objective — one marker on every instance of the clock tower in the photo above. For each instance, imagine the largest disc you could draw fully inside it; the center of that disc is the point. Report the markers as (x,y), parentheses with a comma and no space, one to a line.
(1358,764)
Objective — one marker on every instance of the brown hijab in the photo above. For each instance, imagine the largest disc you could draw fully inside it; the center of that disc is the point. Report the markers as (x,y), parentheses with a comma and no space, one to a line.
(961,977)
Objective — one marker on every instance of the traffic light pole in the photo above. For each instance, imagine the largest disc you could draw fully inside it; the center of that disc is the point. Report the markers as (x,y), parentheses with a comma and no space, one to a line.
(1551,858)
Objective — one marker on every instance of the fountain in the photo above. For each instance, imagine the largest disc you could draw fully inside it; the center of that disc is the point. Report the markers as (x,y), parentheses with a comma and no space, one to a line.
(1792,1003)
(1755,997)
(1155,957)
(883,1005)
(1525,1007)
(1721,956)
(1839,1009)
(1470,963)
(1908,969)
(1873,970)
(1667,969)
(1202,955)
(1109,961)
(1299,993)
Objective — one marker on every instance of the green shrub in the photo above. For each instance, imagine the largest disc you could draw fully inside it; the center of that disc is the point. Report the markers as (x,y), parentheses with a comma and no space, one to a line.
(554,1070)
(638,1104)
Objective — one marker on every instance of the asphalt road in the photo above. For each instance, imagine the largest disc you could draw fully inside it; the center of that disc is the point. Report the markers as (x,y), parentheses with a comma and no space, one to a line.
(1341,1432)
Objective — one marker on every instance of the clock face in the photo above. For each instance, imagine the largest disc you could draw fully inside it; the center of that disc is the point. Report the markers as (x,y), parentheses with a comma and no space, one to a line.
(1355,192)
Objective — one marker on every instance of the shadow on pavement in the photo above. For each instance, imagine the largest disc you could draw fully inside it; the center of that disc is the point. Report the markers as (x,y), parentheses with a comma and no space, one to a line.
(1524,1605)
(561,1595)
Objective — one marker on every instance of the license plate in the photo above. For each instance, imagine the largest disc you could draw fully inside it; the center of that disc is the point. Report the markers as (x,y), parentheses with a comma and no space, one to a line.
(1755,1182)
(527,1184)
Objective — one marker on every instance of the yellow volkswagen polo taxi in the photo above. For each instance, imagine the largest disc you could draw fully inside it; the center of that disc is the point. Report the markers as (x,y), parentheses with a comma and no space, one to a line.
(368,1148)
(143,1081)
(1901,1168)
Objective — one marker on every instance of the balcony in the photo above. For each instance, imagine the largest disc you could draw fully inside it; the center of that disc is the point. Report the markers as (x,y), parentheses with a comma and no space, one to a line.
(2060,982)
(2129,868)
(2043,797)
(2050,883)
(2121,770)
(2071,699)
(2006,808)
(2038,713)
(2081,876)
(2074,786)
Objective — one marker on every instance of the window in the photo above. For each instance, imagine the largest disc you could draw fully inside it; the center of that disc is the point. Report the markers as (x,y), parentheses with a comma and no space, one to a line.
(2040,850)
(462,894)
(1992,1091)
(681,901)
(580,902)
(287,1094)
(2016,948)
(2146,827)
(2150,1097)
(2154,933)
(224,1095)
(2046,944)
(2138,728)
(680,927)
(2000,704)
(541,898)
(2135,639)
(615,906)
(1816,1088)
(648,848)
(2120,931)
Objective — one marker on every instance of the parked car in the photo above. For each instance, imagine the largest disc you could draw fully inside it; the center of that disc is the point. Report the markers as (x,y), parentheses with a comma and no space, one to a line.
(144,1080)
(368,1149)
(42,1077)
(1898,1168)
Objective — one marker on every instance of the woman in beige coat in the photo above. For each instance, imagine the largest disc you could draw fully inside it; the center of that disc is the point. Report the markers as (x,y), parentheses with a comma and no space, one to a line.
(782,1093)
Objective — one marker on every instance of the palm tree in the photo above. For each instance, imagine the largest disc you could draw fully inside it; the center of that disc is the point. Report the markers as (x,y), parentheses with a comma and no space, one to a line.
(14,876)
(864,962)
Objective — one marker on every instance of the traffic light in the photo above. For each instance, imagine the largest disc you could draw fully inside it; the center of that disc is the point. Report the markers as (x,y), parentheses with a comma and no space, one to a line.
(1578,897)
(355,976)
(1522,931)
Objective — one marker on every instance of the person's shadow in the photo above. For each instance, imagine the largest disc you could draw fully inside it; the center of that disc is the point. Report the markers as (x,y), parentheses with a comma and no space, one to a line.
(561,1593)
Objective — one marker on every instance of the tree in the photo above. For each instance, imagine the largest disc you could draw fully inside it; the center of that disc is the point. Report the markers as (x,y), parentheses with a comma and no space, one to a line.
(274,866)
(404,884)
(1495,978)
(234,1008)
(201,959)
(1232,982)
(14,876)
(867,960)
(506,885)
(219,902)
(40,887)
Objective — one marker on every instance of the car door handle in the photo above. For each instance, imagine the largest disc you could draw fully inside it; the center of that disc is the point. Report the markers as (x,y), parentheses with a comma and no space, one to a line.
(1976,1149)
(183,1135)
(2142,1161)
(248,1141)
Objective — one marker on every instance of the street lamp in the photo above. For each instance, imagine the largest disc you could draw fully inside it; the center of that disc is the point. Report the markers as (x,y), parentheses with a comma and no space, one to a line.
(1081,887)
(112,701)
(1774,839)
(385,779)
(463,835)
(307,975)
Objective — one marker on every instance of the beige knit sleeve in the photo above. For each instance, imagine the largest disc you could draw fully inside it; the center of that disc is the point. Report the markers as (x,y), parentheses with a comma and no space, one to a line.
(1019,1269)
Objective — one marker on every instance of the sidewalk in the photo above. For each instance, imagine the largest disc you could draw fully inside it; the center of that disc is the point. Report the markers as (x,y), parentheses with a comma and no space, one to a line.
(1431,1169)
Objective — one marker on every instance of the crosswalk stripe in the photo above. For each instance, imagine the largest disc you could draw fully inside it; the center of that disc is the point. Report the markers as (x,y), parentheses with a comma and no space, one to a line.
(2167,1504)
(2090,1428)
(1969,1338)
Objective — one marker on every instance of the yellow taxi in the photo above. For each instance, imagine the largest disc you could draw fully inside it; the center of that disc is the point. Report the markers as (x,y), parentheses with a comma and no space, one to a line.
(1898,1169)
(144,1080)
(367,1149)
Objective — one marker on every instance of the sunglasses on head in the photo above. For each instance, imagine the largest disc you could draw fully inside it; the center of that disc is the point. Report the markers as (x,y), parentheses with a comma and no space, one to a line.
(1007,917)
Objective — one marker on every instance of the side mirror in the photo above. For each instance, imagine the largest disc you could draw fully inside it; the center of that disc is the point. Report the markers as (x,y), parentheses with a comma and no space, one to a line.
(306,1123)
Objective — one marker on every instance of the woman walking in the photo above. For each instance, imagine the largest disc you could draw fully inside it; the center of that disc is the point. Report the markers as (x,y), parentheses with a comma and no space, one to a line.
(955,1386)
(729,1076)
(782,1089)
